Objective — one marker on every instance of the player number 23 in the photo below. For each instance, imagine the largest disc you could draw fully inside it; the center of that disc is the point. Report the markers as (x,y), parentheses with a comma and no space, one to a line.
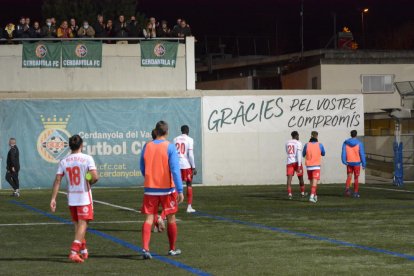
(74,175)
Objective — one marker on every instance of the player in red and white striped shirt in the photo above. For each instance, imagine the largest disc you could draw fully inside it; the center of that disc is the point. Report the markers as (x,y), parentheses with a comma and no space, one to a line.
(184,145)
(294,163)
(76,166)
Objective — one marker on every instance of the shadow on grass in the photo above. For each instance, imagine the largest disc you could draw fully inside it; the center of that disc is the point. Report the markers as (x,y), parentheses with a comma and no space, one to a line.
(341,195)
(134,257)
(60,259)
(116,230)
(267,196)
(401,198)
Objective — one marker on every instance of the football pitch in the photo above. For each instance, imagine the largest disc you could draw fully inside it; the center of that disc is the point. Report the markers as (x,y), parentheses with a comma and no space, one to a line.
(237,230)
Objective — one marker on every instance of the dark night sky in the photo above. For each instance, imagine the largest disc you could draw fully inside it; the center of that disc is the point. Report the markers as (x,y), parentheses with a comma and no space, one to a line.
(258,17)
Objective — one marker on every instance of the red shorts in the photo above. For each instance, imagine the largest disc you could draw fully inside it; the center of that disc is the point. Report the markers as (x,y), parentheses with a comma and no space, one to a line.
(168,203)
(314,174)
(81,212)
(187,175)
(292,168)
(356,170)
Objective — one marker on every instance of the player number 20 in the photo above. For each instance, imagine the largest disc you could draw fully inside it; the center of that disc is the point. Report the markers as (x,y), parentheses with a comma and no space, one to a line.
(74,175)
(180,148)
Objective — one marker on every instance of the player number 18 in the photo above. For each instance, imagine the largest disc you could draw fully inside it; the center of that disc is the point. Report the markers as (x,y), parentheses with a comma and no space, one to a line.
(74,175)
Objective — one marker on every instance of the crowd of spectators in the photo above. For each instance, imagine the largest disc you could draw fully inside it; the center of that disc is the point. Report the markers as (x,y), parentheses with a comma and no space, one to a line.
(119,28)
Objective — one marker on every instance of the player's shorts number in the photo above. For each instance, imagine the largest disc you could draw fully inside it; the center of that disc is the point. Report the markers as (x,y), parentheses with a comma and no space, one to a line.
(74,175)
(180,148)
(291,149)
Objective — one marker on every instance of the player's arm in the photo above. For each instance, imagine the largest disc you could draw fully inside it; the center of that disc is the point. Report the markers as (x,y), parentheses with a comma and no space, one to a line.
(93,171)
(304,150)
(142,161)
(343,156)
(322,149)
(13,159)
(175,171)
(95,176)
(362,155)
(299,154)
(56,186)
(191,157)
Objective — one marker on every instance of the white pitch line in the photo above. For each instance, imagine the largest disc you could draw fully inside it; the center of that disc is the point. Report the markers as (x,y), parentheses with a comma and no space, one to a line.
(111,205)
(388,189)
(62,223)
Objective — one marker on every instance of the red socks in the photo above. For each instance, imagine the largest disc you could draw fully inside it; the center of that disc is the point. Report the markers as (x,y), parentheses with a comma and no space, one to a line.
(356,184)
(83,245)
(289,190)
(190,195)
(172,234)
(348,181)
(76,247)
(313,190)
(302,188)
(146,235)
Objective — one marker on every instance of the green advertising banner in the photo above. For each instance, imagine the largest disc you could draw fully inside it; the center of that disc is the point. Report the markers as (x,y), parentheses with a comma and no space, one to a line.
(82,54)
(157,53)
(41,55)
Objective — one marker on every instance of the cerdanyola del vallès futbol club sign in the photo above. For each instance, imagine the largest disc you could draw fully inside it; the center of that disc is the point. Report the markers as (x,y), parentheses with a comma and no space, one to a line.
(158,53)
(82,54)
(115,139)
(41,55)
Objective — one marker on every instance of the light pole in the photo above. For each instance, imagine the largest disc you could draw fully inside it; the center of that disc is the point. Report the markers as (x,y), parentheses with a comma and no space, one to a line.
(301,29)
(364,11)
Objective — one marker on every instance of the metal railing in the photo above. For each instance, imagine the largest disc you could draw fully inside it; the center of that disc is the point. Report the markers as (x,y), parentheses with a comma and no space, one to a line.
(103,39)
(389,159)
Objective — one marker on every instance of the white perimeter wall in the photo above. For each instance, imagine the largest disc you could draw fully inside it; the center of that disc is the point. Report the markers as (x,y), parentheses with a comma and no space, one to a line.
(255,153)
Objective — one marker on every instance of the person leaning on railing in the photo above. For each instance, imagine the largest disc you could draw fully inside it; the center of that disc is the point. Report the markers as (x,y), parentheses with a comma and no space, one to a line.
(64,31)
(163,30)
(74,27)
(121,29)
(134,29)
(86,30)
(109,29)
(37,32)
(9,32)
(149,31)
(48,31)
(99,26)
(183,30)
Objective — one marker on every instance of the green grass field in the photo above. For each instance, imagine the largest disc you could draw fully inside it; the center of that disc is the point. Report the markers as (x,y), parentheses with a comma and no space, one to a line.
(239,230)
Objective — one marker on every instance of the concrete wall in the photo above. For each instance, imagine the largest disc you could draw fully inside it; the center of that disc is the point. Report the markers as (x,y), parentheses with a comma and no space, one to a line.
(302,79)
(346,78)
(121,72)
(243,83)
